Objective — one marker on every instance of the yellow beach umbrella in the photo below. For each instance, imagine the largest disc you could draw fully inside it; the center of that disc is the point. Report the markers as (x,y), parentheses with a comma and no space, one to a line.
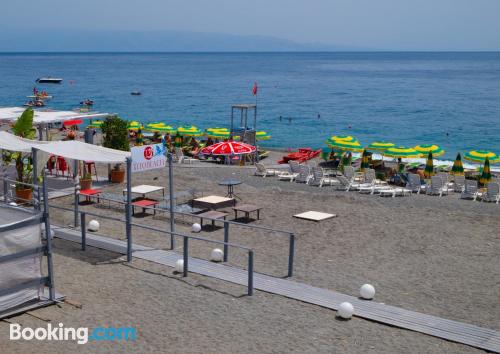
(424,149)
(262,135)
(380,146)
(134,125)
(402,152)
(481,156)
(343,138)
(189,130)
(486,174)
(345,145)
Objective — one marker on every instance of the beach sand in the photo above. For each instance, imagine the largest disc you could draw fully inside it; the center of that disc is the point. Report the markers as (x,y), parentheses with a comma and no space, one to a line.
(434,255)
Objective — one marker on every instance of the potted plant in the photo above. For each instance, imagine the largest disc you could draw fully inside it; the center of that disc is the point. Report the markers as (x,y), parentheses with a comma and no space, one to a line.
(23,162)
(116,137)
(86,181)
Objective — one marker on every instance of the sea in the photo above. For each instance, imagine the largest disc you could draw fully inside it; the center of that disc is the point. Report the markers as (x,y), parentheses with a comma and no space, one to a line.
(451,99)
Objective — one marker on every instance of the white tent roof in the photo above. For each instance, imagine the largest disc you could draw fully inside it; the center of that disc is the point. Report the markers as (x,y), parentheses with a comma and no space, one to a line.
(71,149)
(46,116)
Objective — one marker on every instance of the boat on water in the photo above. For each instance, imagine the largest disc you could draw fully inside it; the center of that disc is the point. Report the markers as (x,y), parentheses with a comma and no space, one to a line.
(135,93)
(40,97)
(49,80)
(87,102)
(35,103)
(302,155)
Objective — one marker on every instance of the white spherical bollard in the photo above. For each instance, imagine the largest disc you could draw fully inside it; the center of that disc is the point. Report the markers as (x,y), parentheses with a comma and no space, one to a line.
(13,204)
(217,255)
(179,266)
(346,310)
(367,291)
(196,227)
(93,225)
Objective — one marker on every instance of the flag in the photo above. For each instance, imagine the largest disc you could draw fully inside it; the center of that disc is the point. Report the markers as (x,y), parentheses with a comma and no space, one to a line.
(254,90)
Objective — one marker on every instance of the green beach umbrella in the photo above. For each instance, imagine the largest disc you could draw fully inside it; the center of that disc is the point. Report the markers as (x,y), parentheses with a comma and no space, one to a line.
(429,166)
(402,152)
(344,145)
(134,125)
(458,167)
(262,135)
(178,140)
(365,161)
(486,175)
(160,128)
(343,138)
(218,134)
(380,146)
(216,129)
(189,130)
(424,149)
(481,156)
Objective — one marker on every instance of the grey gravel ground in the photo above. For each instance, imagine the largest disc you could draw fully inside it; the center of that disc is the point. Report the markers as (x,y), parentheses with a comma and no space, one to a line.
(429,254)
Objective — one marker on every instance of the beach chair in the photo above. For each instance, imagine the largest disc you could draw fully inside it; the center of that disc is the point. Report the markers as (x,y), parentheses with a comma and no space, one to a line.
(262,171)
(470,190)
(371,184)
(349,173)
(414,183)
(445,176)
(292,172)
(458,184)
(181,158)
(492,193)
(437,187)
(395,191)
(304,174)
(319,179)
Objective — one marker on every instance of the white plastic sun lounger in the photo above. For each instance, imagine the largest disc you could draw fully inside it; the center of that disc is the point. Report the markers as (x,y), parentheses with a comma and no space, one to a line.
(319,179)
(470,190)
(492,193)
(262,171)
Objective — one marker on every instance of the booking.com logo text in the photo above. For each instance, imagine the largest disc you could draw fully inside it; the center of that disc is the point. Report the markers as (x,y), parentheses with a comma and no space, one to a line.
(80,335)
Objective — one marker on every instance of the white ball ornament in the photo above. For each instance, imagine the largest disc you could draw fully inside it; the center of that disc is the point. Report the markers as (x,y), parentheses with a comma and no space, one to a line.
(217,255)
(346,310)
(93,225)
(13,204)
(179,266)
(367,291)
(196,227)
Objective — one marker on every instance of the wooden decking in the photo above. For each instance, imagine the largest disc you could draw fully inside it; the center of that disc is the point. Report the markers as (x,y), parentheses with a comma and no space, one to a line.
(475,336)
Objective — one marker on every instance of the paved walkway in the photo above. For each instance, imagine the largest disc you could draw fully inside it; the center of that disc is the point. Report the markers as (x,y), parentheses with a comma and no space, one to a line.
(475,336)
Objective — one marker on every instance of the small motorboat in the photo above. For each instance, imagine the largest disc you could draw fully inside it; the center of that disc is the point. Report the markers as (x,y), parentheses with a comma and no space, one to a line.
(302,155)
(87,102)
(49,80)
(35,103)
(135,93)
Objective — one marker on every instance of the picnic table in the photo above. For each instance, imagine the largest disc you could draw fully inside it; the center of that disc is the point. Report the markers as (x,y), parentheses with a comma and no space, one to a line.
(145,189)
(213,202)
(89,193)
(247,209)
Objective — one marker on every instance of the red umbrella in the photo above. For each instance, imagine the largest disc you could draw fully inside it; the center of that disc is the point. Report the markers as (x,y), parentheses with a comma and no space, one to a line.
(72,122)
(228,148)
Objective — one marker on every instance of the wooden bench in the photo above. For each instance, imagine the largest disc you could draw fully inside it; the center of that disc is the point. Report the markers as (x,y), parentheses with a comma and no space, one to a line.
(247,209)
(212,214)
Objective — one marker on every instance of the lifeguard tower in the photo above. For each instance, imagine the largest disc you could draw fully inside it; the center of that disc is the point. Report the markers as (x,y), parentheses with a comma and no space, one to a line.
(243,127)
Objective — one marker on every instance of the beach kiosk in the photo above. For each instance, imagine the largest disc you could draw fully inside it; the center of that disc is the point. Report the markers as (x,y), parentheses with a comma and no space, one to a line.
(241,125)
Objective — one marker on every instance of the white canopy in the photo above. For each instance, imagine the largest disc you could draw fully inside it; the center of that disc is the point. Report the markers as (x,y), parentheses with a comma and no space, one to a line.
(70,149)
(46,116)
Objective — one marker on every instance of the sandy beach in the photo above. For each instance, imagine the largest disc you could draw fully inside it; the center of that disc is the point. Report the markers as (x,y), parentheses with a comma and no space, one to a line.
(423,253)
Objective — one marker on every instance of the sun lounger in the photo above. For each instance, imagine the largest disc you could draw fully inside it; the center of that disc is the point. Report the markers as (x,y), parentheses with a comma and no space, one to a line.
(470,190)
(262,171)
(395,191)
(492,193)
(304,174)
(319,179)
(414,183)
(437,187)
(181,158)
(458,184)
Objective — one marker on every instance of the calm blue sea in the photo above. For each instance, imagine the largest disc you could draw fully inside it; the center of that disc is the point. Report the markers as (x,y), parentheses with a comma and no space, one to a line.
(450,99)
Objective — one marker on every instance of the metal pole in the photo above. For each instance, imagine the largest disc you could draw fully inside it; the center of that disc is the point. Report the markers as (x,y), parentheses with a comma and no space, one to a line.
(290,255)
(5,191)
(226,241)
(76,196)
(128,210)
(250,273)
(185,256)
(172,202)
(50,266)
(84,231)
(36,196)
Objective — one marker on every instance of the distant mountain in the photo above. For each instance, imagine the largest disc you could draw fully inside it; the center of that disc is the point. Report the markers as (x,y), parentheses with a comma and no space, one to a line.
(152,41)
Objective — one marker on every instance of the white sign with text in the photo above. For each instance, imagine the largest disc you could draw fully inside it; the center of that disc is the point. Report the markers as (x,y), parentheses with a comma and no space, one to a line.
(148,157)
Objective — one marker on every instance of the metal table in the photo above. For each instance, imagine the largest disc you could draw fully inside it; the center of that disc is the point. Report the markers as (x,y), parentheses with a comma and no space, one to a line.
(230,183)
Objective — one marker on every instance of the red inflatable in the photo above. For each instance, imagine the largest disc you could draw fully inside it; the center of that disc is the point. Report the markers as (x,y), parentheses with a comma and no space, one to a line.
(302,155)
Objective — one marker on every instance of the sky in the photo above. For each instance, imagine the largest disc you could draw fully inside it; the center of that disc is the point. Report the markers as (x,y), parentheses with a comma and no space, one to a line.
(370,24)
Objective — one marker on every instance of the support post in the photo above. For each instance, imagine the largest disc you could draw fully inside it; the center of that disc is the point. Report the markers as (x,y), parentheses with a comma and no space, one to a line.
(128,210)
(250,273)
(185,256)
(226,241)
(36,195)
(83,226)
(50,266)
(5,191)
(76,200)
(172,201)
(291,252)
